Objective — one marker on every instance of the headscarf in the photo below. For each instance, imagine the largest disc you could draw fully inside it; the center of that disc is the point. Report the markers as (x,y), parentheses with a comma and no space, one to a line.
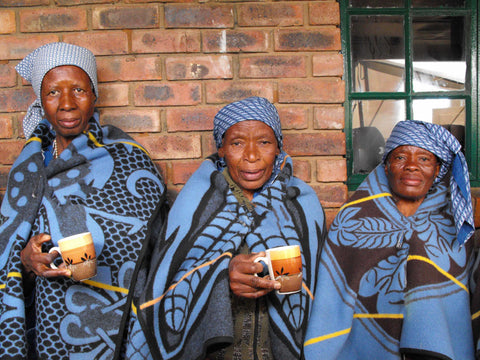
(445,146)
(252,108)
(39,62)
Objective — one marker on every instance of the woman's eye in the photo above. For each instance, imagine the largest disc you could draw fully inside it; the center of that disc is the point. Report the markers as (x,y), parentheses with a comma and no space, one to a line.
(79,90)
(52,92)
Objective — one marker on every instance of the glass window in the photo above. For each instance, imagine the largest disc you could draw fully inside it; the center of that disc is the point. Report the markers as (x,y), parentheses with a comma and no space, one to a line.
(439,62)
(372,123)
(408,60)
(378,57)
(377,3)
(438,3)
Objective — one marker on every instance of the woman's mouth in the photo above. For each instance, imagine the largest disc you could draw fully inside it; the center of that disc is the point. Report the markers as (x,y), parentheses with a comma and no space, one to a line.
(69,123)
(252,175)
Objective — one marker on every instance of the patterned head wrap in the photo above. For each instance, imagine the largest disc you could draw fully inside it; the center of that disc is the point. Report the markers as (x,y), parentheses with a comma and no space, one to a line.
(252,108)
(35,66)
(444,145)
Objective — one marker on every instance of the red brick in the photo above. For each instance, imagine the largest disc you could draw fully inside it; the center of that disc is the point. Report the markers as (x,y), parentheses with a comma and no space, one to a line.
(80,2)
(10,149)
(319,143)
(199,67)
(273,66)
(13,47)
(112,95)
(330,216)
(182,171)
(198,118)
(132,120)
(24,2)
(293,117)
(329,117)
(229,91)
(129,68)
(302,170)
(198,16)
(55,19)
(275,14)
(222,41)
(208,144)
(6,126)
(7,22)
(162,168)
(324,13)
(323,90)
(100,43)
(171,146)
(327,64)
(4,171)
(16,99)
(125,17)
(331,169)
(8,75)
(167,94)
(325,38)
(166,41)
(331,195)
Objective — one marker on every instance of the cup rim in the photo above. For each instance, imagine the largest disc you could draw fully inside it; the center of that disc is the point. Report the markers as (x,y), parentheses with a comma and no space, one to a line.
(75,236)
(281,248)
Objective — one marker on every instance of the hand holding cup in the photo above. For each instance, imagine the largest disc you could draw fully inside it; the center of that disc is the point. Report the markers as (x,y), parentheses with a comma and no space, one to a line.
(78,255)
(285,266)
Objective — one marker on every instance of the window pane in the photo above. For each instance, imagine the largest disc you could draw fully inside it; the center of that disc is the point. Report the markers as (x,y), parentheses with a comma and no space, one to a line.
(372,123)
(377,3)
(449,113)
(377,53)
(439,53)
(438,3)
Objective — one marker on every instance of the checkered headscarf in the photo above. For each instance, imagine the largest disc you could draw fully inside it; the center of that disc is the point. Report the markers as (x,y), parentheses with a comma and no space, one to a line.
(445,146)
(252,108)
(35,66)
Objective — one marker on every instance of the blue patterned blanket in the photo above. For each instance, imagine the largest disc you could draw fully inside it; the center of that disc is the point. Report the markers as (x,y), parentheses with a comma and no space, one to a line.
(185,305)
(104,183)
(389,284)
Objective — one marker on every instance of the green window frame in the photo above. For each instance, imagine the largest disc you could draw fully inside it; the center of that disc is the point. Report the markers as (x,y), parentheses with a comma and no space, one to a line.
(468,95)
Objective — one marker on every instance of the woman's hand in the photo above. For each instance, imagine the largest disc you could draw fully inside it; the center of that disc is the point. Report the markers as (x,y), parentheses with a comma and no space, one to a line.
(243,281)
(37,262)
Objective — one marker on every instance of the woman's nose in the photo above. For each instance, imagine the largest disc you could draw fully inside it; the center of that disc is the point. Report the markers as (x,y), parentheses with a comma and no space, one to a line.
(66,101)
(251,152)
(411,163)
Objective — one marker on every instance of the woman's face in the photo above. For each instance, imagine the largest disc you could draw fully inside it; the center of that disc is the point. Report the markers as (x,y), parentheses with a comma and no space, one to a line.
(411,172)
(249,148)
(68,100)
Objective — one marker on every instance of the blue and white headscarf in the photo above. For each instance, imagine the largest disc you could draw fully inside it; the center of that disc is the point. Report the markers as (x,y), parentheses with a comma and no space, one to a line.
(445,146)
(252,108)
(39,62)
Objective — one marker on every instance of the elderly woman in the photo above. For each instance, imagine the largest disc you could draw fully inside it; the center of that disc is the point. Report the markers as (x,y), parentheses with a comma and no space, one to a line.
(72,176)
(394,270)
(202,298)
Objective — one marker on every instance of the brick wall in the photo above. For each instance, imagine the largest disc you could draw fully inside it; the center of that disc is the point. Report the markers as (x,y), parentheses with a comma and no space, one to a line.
(166,67)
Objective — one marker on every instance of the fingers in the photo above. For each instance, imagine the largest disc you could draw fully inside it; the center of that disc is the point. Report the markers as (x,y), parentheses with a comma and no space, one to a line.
(38,262)
(243,282)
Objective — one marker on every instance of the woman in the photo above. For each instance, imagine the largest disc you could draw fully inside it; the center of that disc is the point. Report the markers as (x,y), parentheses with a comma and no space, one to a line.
(72,176)
(394,271)
(202,298)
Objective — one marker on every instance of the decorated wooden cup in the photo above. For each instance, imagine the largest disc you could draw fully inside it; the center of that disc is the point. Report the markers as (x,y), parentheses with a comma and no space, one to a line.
(285,266)
(78,255)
